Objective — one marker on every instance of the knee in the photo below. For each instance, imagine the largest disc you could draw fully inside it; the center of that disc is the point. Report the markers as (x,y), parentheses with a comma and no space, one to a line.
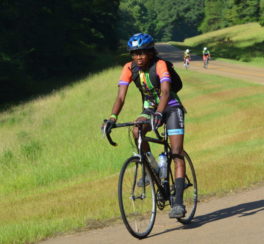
(135,132)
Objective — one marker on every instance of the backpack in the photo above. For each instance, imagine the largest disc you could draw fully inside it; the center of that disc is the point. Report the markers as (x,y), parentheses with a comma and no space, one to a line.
(176,82)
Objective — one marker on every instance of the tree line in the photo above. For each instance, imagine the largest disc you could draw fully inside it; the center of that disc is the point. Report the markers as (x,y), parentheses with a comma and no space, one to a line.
(177,19)
(224,13)
(45,39)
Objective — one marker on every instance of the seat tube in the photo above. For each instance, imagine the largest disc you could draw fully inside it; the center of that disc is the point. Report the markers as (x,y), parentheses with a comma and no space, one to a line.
(139,141)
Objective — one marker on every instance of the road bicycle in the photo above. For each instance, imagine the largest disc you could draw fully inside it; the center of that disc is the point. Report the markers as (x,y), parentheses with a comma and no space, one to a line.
(138,204)
(206,62)
(186,63)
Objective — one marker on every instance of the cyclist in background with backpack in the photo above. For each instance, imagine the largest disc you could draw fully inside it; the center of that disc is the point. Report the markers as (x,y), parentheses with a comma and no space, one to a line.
(158,83)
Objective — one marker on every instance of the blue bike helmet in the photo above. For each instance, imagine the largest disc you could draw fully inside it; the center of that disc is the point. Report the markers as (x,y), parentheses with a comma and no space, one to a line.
(140,41)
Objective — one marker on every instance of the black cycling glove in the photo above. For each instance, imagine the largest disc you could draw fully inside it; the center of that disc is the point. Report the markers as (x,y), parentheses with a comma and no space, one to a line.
(108,126)
(157,120)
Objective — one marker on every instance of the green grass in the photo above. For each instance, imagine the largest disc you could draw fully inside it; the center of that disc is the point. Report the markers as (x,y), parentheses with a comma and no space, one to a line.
(58,173)
(254,62)
(242,42)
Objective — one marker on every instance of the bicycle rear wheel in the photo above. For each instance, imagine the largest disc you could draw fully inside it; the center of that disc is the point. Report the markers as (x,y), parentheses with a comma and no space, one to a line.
(137,203)
(190,196)
(206,63)
(186,64)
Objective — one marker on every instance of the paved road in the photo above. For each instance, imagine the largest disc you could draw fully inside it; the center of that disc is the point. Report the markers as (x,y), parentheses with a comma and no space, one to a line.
(243,72)
(233,219)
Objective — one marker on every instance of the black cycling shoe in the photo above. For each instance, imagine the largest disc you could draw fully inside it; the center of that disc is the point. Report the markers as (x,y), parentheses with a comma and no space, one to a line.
(177,211)
(140,182)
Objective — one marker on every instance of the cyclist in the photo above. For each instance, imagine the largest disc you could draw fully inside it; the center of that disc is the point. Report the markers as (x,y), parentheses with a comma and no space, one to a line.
(186,57)
(206,54)
(163,104)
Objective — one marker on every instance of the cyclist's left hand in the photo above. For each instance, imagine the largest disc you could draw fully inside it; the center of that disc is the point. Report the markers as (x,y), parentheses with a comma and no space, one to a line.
(157,120)
(108,125)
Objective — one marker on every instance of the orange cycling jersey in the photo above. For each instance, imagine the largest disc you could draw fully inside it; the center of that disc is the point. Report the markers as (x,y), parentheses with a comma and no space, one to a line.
(151,95)
(161,69)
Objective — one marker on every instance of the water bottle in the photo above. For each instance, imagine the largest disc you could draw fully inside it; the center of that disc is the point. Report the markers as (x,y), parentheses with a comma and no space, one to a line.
(153,162)
(162,165)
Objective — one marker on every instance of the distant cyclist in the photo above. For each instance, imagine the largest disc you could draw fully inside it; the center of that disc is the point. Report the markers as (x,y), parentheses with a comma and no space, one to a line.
(160,102)
(206,56)
(186,58)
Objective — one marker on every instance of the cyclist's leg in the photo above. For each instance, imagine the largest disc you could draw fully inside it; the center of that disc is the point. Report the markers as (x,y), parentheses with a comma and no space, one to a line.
(205,60)
(145,145)
(175,130)
(145,115)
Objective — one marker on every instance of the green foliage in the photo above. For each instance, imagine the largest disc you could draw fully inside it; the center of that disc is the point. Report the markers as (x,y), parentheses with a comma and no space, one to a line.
(189,16)
(174,20)
(180,19)
(213,15)
(224,13)
(261,12)
(44,39)
(136,17)
(245,11)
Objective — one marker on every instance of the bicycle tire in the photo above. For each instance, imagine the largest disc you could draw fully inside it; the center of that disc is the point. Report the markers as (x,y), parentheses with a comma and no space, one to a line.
(190,196)
(206,63)
(186,64)
(137,208)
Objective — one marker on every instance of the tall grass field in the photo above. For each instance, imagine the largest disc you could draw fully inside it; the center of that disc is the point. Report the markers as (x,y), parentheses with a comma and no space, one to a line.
(58,174)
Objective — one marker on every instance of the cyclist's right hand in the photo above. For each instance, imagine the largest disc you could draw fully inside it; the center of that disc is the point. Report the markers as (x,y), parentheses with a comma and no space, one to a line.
(108,125)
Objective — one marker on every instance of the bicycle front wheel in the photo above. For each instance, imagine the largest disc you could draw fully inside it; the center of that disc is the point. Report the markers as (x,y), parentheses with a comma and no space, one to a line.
(206,64)
(137,201)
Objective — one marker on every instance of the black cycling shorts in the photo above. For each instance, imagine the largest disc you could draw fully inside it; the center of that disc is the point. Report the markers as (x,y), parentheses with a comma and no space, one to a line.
(172,116)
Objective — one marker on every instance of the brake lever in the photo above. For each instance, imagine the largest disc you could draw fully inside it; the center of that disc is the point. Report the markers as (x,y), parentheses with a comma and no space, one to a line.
(103,128)
(153,128)
(108,134)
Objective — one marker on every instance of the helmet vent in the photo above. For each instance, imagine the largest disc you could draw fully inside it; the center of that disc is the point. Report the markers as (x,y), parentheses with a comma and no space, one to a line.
(135,43)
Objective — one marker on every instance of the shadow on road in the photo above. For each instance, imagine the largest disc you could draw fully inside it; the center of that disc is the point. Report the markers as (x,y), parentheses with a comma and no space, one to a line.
(241,210)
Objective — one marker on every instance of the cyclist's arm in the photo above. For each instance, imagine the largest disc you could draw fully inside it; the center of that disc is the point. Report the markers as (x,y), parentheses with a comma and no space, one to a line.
(165,80)
(164,98)
(120,99)
(123,83)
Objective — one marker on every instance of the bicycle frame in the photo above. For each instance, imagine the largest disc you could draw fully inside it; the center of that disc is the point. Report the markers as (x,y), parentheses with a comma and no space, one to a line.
(187,61)
(164,190)
(206,61)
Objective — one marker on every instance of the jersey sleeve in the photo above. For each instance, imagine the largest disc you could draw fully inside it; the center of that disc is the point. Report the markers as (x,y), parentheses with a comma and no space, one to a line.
(126,75)
(162,71)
